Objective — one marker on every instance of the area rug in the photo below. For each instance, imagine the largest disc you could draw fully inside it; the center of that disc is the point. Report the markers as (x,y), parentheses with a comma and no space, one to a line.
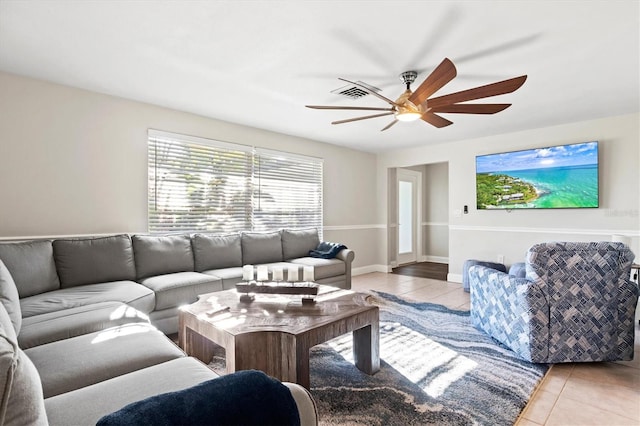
(435,368)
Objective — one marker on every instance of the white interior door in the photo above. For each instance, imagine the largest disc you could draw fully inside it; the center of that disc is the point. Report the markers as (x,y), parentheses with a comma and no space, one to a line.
(408,191)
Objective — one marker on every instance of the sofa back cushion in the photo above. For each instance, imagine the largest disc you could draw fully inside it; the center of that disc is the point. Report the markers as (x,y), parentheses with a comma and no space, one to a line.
(216,251)
(298,243)
(94,260)
(31,265)
(21,397)
(162,255)
(261,247)
(9,297)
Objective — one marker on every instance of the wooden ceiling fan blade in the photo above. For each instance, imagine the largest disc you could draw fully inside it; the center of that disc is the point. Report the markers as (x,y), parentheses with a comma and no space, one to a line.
(349,120)
(471,108)
(493,89)
(349,108)
(444,73)
(389,125)
(435,120)
(371,92)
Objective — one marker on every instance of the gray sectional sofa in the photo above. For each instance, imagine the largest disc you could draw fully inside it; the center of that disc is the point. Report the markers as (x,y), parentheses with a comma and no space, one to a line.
(82,321)
(58,279)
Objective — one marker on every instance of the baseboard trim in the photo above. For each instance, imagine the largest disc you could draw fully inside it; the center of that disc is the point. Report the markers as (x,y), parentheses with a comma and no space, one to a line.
(369,269)
(435,259)
(454,278)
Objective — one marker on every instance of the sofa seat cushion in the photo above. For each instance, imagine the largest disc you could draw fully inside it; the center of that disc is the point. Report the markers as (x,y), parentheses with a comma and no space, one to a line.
(162,255)
(31,265)
(261,247)
(216,251)
(99,356)
(94,260)
(181,288)
(229,276)
(322,268)
(67,323)
(129,292)
(87,405)
(21,401)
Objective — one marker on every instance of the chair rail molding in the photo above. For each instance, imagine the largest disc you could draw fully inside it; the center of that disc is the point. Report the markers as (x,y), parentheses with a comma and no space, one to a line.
(531,230)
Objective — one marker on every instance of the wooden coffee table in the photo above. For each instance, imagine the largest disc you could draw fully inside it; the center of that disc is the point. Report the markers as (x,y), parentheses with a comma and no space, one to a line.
(274,333)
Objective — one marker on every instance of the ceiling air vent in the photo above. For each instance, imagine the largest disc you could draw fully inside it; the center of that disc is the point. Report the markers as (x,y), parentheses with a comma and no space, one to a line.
(354,92)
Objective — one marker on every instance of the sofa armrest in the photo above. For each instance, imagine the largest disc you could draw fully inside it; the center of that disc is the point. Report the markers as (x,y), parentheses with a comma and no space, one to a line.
(346,255)
(306,404)
(512,310)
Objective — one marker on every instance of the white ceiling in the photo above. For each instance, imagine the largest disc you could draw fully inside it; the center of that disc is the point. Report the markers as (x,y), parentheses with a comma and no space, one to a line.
(258,63)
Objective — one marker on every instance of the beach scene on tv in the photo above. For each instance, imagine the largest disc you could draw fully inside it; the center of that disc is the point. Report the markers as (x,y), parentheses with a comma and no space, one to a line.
(564,176)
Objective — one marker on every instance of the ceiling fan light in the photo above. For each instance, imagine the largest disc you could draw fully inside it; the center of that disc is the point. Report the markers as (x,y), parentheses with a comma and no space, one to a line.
(408,116)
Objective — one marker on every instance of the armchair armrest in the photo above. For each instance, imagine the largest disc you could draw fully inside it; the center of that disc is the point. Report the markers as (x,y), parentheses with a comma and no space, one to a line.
(512,310)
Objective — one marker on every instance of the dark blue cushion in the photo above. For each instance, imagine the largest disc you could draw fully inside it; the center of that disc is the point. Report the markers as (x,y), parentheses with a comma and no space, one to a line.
(242,398)
(327,250)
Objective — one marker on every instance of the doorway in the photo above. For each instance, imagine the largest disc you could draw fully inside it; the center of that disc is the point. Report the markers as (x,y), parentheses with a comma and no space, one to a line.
(409,193)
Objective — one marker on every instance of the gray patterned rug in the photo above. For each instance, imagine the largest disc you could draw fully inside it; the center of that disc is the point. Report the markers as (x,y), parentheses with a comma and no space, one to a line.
(435,369)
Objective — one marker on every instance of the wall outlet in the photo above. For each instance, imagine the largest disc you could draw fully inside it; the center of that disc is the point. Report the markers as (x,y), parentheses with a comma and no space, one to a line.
(500,258)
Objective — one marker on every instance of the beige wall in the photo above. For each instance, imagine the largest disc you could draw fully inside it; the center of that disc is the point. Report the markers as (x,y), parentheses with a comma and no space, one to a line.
(74,162)
(487,234)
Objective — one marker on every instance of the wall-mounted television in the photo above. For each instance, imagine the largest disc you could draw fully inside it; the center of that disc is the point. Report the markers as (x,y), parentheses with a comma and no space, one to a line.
(555,177)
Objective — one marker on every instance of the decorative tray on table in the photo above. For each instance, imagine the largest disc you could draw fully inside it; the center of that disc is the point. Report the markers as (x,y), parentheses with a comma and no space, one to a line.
(302,288)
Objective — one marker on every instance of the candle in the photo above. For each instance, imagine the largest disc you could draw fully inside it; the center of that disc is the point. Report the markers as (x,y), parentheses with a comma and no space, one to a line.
(307,273)
(277,273)
(247,273)
(263,273)
(292,274)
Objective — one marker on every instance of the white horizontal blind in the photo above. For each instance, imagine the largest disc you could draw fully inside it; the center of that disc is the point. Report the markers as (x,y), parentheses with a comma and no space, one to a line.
(203,185)
(287,191)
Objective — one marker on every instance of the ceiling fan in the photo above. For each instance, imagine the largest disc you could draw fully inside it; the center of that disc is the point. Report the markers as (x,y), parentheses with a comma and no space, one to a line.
(416,105)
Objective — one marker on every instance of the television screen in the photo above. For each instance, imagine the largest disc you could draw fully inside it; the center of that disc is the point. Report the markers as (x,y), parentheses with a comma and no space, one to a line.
(557,177)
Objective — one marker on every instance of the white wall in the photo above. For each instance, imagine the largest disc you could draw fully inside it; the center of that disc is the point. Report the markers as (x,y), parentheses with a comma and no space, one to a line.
(74,162)
(486,234)
(436,212)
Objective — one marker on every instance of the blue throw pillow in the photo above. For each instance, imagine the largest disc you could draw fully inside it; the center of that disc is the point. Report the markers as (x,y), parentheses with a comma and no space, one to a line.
(242,398)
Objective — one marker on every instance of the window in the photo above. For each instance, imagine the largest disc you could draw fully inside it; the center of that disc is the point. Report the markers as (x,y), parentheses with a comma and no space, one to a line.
(198,184)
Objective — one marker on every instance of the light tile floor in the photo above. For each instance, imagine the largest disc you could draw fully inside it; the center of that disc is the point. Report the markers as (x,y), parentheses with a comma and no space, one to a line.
(570,394)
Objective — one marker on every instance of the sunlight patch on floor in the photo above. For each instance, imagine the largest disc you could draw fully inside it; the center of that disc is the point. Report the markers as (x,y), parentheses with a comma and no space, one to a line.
(415,356)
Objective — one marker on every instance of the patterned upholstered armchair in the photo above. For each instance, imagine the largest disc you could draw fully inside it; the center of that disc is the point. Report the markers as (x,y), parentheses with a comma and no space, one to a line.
(576,303)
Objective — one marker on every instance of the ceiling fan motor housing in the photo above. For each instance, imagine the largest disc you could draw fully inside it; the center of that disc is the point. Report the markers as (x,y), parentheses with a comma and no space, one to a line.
(408,77)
